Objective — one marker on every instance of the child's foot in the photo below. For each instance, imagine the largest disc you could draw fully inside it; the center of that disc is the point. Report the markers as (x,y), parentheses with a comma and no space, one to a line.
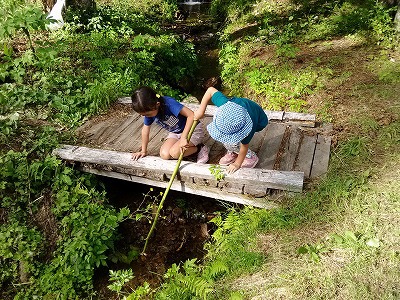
(228,158)
(202,156)
(250,161)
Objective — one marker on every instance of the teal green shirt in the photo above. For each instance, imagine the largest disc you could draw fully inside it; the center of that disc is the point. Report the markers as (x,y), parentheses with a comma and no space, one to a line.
(257,114)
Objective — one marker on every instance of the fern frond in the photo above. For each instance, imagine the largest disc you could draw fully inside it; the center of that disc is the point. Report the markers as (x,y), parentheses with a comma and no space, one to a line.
(197,286)
(190,266)
(216,269)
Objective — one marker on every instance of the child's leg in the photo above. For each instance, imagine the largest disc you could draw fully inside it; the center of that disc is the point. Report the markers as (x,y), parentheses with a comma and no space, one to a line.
(175,150)
(171,147)
(235,148)
(250,160)
(166,147)
(231,155)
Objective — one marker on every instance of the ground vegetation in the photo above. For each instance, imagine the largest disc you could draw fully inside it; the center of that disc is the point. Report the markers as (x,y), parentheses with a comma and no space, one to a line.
(60,229)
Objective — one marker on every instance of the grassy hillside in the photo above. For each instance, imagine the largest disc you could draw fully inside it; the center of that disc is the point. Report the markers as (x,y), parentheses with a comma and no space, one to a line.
(338,59)
(340,238)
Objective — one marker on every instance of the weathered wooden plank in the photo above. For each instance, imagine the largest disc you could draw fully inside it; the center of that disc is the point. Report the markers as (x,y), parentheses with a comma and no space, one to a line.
(305,119)
(88,130)
(210,109)
(306,154)
(274,115)
(270,147)
(125,100)
(112,126)
(158,136)
(99,130)
(281,150)
(130,137)
(214,193)
(291,149)
(255,190)
(321,156)
(257,140)
(124,125)
(292,181)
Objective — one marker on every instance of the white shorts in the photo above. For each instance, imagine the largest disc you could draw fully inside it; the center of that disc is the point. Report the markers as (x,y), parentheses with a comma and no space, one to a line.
(197,135)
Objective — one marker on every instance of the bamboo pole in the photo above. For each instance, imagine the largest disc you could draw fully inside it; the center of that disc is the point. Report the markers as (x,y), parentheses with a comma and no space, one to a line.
(178,163)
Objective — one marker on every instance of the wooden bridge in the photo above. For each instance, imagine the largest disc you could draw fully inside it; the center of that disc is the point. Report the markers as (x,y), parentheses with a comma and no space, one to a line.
(292,148)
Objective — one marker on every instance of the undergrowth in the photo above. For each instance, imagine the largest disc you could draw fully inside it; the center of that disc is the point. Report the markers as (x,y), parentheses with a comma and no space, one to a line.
(343,226)
(278,82)
(56,227)
(51,82)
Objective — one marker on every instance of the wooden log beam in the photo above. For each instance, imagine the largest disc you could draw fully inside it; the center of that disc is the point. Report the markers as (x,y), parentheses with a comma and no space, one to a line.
(306,120)
(213,193)
(155,168)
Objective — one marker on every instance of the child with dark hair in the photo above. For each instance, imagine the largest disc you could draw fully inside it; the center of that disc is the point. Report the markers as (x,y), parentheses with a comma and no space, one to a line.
(234,124)
(171,115)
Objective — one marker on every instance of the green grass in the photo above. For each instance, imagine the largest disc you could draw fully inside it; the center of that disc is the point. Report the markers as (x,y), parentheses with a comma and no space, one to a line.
(339,239)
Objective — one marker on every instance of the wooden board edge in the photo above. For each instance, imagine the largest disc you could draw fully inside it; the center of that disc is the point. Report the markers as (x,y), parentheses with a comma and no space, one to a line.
(307,120)
(321,157)
(283,180)
(182,187)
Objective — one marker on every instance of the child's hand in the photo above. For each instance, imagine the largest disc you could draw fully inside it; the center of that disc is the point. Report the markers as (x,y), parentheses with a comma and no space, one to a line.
(137,155)
(198,115)
(183,144)
(232,168)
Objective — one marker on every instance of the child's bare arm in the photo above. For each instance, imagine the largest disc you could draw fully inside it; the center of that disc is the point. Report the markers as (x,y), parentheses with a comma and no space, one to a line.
(145,142)
(188,113)
(239,160)
(198,114)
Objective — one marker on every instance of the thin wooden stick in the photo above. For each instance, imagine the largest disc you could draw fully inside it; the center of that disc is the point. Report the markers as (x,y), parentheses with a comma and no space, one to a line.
(168,188)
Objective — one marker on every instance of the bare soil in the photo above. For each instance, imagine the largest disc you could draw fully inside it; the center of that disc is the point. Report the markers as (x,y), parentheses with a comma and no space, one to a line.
(181,231)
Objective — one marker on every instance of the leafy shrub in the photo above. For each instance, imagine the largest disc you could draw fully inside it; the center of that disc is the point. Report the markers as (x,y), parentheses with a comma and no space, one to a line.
(387,70)
(118,279)
(231,68)
(229,241)
(19,247)
(87,233)
(19,102)
(54,86)
(155,10)
(18,15)
(233,10)
(112,64)
(123,20)
(184,285)
(21,179)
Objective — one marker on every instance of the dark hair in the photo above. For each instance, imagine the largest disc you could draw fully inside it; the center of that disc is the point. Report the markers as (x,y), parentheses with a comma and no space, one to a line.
(145,99)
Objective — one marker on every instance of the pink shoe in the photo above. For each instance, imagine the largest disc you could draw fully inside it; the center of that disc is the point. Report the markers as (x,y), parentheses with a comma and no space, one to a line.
(250,162)
(202,156)
(228,158)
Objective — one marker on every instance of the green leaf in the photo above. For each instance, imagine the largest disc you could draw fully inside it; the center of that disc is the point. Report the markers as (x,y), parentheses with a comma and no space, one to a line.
(350,235)
(302,250)
(314,256)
